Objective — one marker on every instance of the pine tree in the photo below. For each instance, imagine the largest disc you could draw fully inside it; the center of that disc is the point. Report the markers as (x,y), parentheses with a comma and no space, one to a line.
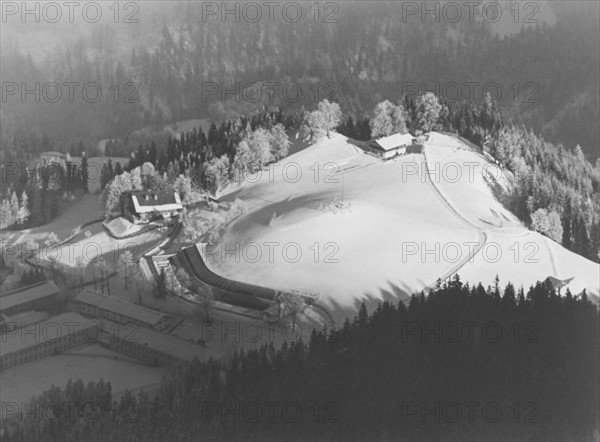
(363,316)
(160,285)
(279,142)
(36,204)
(118,169)
(104,176)
(595,242)
(5,214)
(23,209)
(14,207)
(84,172)
(581,239)
(127,268)
(111,172)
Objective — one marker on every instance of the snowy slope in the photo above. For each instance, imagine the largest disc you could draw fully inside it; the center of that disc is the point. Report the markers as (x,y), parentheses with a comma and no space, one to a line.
(336,221)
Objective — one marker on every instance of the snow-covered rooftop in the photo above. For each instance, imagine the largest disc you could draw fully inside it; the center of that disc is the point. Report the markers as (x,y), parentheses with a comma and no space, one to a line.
(146,202)
(396,140)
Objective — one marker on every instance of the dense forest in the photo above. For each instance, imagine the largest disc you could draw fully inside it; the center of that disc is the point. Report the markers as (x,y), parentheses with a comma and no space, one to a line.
(546,73)
(35,192)
(462,363)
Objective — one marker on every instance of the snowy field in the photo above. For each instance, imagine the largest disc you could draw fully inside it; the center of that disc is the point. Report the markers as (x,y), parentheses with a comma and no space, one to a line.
(511,250)
(335,221)
(89,363)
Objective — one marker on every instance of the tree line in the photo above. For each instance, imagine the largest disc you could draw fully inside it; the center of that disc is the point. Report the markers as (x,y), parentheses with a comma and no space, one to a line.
(199,161)
(43,185)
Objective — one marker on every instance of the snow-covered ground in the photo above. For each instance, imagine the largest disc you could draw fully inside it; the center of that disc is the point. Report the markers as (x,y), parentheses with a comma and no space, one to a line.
(333,220)
(511,251)
(89,363)
(93,242)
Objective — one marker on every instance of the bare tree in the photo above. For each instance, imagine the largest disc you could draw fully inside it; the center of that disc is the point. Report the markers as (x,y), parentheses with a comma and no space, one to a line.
(102,270)
(290,304)
(80,266)
(324,119)
(428,111)
(206,300)
(127,268)
(184,281)
(388,119)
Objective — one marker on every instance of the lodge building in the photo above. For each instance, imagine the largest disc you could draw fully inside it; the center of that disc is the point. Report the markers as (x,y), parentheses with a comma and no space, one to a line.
(393,145)
(145,206)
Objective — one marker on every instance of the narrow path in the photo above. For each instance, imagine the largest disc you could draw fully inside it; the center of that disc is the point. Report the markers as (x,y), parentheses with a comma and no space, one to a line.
(481,234)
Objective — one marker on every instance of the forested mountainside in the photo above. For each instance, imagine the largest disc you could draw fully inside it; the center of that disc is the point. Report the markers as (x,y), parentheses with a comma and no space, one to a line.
(553,190)
(359,54)
(362,57)
(399,374)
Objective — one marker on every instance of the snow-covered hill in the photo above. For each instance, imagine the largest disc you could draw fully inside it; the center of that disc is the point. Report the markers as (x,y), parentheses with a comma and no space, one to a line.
(336,221)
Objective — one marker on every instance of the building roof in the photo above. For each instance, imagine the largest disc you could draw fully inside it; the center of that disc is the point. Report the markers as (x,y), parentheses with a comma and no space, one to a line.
(394,141)
(27,294)
(145,202)
(26,318)
(162,342)
(65,324)
(120,307)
